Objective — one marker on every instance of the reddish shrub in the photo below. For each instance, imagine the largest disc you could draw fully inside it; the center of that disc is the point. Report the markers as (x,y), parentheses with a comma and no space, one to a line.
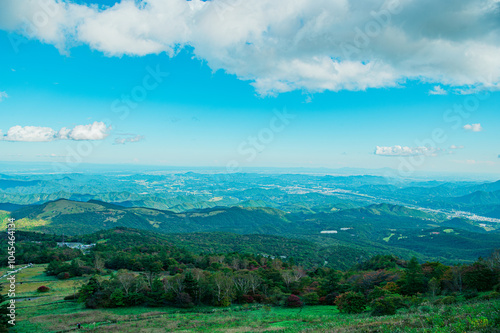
(247,299)
(43,289)
(293,301)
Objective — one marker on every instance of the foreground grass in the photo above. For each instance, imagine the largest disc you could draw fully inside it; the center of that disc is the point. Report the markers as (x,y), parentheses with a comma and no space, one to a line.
(50,313)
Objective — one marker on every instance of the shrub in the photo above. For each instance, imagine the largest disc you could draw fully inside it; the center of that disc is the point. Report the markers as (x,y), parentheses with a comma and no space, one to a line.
(259,298)
(351,302)
(311,298)
(489,296)
(183,300)
(72,297)
(63,276)
(383,306)
(117,299)
(446,300)
(378,293)
(43,289)
(470,294)
(391,287)
(246,299)
(293,301)
(425,309)
(277,298)
(330,298)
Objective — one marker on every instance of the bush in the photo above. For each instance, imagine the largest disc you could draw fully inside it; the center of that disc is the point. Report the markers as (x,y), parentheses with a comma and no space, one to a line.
(470,294)
(293,301)
(489,296)
(330,298)
(183,300)
(43,289)
(378,293)
(259,298)
(425,309)
(446,300)
(277,298)
(351,302)
(63,276)
(72,297)
(383,306)
(247,299)
(311,298)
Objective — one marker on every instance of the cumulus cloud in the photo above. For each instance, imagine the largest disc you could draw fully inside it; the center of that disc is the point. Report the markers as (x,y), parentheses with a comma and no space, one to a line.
(3,95)
(30,134)
(281,46)
(473,127)
(407,151)
(95,131)
(122,141)
(438,90)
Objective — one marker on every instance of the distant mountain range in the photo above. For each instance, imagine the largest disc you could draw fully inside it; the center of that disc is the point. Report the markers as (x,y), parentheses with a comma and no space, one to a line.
(379,228)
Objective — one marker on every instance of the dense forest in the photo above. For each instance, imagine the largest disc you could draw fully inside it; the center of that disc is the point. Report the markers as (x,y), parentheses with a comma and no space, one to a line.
(129,267)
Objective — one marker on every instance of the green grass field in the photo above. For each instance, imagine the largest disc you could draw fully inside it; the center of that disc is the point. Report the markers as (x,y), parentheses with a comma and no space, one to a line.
(48,312)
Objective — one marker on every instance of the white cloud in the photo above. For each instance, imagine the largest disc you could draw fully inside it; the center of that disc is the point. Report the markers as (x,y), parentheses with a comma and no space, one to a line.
(406,151)
(30,134)
(283,45)
(438,90)
(122,141)
(454,147)
(95,131)
(3,95)
(473,127)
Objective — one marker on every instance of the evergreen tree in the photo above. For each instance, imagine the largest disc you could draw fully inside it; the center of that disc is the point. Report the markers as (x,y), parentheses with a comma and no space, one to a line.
(413,281)
(191,286)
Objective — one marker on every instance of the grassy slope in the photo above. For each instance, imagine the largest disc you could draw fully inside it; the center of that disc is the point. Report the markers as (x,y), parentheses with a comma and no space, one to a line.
(51,313)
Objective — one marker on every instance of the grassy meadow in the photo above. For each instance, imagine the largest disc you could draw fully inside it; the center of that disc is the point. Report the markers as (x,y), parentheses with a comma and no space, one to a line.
(49,312)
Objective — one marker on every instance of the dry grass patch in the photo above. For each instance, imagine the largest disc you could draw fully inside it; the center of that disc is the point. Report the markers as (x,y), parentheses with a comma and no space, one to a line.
(64,321)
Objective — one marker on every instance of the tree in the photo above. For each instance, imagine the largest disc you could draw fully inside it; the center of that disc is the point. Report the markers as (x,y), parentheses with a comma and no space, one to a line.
(434,286)
(191,286)
(126,279)
(152,270)
(351,302)
(331,283)
(223,289)
(98,263)
(242,284)
(413,281)
(287,277)
(255,281)
(174,284)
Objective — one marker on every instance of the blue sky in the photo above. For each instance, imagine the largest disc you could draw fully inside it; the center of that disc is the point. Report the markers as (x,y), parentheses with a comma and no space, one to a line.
(211,104)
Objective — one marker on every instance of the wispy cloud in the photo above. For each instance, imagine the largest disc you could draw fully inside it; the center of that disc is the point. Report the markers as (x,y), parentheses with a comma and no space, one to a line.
(94,131)
(454,147)
(437,90)
(407,151)
(473,127)
(3,95)
(122,141)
